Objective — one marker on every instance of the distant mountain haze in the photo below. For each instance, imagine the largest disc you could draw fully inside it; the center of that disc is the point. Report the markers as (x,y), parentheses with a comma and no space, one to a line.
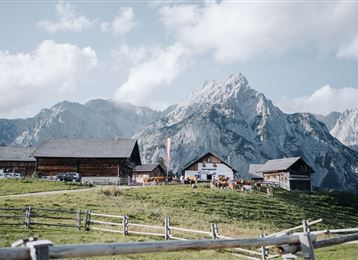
(95,119)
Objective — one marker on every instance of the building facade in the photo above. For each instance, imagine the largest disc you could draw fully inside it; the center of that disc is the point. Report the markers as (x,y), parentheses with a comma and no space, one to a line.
(209,167)
(292,174)
(17,159)
(89,157)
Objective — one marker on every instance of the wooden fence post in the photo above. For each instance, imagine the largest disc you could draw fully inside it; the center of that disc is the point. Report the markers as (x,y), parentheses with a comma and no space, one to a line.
(214,231)
(125,225)
(88,220)
(28,216)
(264,251)
(78,219)
(306,243)
(25,216)
(167,228)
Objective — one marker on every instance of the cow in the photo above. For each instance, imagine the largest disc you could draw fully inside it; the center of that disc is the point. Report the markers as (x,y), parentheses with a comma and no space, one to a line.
(192,179)
(154,180)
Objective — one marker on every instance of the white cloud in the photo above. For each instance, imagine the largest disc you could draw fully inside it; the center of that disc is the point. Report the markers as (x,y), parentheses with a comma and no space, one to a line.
(121,24)
(158,67)
(50,71)
(350,51)
(238,31)
(322,101)
(68,20)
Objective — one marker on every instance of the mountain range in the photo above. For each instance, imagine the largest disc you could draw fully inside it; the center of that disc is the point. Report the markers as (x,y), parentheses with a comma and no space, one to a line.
(226,117)
(95,119)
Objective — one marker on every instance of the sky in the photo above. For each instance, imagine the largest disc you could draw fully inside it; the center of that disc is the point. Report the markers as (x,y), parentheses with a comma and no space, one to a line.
(303,55)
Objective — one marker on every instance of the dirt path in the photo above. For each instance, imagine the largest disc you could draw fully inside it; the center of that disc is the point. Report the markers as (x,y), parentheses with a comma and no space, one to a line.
(44,193)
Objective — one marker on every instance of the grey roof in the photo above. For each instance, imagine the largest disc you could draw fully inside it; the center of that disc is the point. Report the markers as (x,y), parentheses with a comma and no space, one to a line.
(14,153)
(278,164)
(86,148)
(254,171)
(147,167)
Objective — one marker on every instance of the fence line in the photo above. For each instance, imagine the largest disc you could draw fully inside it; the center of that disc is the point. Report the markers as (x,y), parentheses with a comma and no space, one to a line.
(103,222)
(294,228)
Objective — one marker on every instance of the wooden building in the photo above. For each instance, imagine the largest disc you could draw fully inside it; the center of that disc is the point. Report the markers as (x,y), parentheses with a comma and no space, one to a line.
(209,167)
(147,170)
(292,174)
(89,157)
(254,172)
(17,159)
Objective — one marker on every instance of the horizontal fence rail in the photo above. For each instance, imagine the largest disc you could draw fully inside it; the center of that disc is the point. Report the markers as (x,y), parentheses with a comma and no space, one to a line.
(87,250)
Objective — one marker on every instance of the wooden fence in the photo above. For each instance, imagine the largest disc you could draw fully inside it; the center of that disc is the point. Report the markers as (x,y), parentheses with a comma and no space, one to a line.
(45,249)
(30,216)
(122,224)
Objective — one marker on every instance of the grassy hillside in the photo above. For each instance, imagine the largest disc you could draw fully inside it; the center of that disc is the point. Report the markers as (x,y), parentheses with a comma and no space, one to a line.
(29,185)
(238,214)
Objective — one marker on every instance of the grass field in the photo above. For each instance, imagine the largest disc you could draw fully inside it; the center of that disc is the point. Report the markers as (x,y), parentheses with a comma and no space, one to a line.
(238,215)
(20,186)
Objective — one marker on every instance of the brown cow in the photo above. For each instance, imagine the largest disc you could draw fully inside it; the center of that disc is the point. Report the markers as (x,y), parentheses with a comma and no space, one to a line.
(154,180)
(192,179)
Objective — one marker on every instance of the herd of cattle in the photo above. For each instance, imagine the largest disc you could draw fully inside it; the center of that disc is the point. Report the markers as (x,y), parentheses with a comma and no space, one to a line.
(221,183)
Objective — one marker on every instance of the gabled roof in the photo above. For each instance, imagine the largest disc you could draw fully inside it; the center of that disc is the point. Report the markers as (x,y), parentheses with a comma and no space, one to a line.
(14,153)
(147,167)
(278,164)
(86,148)
(205,154)
(254,171)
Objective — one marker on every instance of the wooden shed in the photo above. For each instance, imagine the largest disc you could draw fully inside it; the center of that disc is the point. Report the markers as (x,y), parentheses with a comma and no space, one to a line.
(89,157)
(292,174)
(209,167)
(147,170)
(17,159)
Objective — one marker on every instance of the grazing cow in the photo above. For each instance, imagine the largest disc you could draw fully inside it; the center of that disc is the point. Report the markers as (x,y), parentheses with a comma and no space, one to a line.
(232,185)
(192,179)
(160,179)
(224,178)
(149,180)
(154,180)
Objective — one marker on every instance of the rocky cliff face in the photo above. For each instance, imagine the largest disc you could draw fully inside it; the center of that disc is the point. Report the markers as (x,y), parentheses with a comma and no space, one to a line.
(230,118)
(346,128)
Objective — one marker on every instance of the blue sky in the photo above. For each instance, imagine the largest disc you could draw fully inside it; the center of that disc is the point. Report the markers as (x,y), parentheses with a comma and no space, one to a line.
(302,55)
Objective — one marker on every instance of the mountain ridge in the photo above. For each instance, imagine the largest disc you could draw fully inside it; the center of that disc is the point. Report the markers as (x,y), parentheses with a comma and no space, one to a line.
(243,124)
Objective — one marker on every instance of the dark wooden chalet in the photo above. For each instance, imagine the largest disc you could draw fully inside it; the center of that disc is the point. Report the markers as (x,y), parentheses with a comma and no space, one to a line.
(147,170)
(89,157)
(17,159)
(208,167)
(292,174)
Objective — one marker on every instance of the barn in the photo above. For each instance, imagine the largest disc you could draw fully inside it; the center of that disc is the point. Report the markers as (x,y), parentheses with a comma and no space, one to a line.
(89,157)
(292,174)
(17,159)
(147,170)
(208,167)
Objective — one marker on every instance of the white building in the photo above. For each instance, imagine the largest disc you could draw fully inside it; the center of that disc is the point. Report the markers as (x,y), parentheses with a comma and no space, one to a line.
(209,167)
